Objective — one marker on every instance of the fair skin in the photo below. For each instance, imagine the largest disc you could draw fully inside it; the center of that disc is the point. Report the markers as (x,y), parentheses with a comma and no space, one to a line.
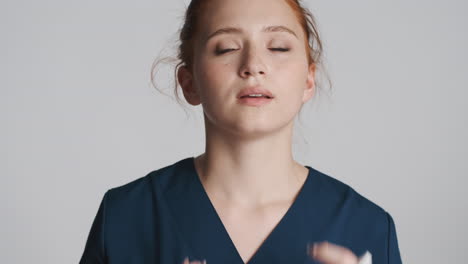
(248,170)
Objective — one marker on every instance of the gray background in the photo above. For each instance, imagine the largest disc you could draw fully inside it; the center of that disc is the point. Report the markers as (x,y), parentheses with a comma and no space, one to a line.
(79,116)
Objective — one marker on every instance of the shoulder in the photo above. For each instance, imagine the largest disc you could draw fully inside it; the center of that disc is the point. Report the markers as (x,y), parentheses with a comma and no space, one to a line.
(143,189)
(356,220)
(348,199)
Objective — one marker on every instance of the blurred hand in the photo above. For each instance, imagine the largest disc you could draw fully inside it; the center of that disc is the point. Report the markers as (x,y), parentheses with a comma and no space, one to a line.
(186,261)
(324,252)
(329,253)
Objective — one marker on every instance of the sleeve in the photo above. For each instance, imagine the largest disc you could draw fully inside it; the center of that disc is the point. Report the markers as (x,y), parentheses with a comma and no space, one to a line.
(94,251)
(393,249)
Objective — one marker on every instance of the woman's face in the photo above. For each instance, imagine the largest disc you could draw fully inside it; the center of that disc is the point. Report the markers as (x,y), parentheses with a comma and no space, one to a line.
(245,55)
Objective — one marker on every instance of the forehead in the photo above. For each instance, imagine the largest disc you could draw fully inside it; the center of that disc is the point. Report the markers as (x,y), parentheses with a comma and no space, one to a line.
(249,15)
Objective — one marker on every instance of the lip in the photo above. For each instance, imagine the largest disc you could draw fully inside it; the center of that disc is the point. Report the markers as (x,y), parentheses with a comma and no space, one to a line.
(254,101)
(255,90)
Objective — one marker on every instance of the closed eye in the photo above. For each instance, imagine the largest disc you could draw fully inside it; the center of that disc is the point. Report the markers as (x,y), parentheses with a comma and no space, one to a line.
(280,49)
(219,52)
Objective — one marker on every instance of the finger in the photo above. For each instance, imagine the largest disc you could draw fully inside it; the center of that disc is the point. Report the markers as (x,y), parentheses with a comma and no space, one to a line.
(366,258)
(198,262)
(329,253)
(186,260)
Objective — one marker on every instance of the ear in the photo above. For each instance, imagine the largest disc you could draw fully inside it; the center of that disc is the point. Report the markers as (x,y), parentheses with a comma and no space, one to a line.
(310,83)
(185,79)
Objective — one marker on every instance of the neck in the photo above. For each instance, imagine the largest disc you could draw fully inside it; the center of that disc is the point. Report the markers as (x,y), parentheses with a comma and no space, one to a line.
(250,171)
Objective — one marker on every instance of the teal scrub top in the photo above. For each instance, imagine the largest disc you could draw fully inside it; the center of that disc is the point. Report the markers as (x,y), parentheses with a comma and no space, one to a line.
(167,216)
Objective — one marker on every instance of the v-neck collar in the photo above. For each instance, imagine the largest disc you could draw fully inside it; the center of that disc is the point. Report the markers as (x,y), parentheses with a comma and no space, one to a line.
(204,233)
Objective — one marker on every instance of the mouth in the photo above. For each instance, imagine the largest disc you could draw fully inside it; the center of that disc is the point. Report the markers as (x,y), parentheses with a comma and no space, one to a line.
(255,92)
(255,100)
(256,96)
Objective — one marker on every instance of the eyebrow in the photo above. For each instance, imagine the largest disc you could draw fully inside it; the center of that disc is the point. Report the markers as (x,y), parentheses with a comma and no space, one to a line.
(234,30)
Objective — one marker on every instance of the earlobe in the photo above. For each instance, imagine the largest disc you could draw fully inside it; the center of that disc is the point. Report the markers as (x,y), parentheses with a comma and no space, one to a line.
(310,83)
(184,77)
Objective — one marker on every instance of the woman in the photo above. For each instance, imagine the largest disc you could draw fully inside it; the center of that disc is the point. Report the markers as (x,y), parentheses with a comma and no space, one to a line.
(251,65)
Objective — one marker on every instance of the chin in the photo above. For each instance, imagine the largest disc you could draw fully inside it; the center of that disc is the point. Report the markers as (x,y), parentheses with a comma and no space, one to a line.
(256,129)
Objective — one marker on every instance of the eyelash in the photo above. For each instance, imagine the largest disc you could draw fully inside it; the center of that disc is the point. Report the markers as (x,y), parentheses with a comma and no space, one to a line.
(220,52)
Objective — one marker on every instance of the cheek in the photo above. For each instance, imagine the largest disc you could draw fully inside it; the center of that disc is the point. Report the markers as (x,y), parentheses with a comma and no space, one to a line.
(291,79)
(212,80)
(211,72)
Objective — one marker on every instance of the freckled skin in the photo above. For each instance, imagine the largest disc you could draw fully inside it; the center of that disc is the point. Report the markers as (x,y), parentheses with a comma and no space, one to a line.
(219,78)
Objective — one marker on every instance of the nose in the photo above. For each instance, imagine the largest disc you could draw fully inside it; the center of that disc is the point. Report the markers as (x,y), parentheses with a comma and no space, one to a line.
(252,65)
